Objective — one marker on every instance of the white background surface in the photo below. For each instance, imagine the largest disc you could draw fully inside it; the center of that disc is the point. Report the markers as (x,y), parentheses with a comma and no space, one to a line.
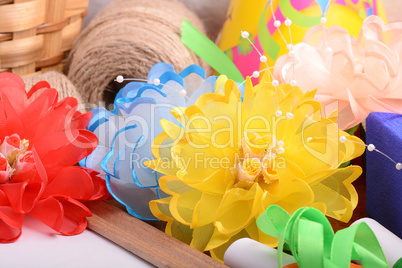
(40,246)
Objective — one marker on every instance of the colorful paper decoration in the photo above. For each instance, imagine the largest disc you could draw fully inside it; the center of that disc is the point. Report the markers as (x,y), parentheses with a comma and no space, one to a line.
(126,133)
(246,252)
(312,242)
(258,18)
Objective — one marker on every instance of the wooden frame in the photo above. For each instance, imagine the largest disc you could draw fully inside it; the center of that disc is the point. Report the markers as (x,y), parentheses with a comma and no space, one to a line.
(143,239)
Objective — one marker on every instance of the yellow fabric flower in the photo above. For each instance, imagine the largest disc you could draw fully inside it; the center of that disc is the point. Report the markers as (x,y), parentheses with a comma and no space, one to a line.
(231,159)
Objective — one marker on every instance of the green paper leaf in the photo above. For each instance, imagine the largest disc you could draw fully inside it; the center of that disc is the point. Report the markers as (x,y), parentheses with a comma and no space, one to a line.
(208,51)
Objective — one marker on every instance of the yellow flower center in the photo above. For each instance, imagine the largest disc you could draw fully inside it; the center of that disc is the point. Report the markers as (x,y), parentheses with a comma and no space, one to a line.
(256,162)
(252,166)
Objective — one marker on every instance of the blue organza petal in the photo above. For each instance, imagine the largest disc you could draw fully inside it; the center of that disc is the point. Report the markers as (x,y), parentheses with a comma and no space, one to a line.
(158,69)
(94,160)
(114,149)
(206,87)
(132,198)
(128,107)
(107,130)
(99,115)
(191,70)
(131,89)
(145,90)
(126,134)
(171,76)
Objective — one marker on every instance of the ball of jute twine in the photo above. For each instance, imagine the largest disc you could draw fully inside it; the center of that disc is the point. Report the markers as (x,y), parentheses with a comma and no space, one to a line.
(127,38)
(56,80)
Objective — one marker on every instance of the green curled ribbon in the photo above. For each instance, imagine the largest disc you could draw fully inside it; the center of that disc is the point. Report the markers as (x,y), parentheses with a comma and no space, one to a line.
(311,239)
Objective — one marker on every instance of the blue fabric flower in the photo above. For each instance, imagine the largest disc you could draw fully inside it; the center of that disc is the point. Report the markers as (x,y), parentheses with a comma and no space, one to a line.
(126,133)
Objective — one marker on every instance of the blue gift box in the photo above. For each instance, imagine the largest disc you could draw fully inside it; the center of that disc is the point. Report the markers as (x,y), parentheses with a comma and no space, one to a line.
(384,181)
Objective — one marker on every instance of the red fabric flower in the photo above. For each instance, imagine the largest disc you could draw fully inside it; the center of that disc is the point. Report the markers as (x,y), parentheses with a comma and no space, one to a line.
(41,140)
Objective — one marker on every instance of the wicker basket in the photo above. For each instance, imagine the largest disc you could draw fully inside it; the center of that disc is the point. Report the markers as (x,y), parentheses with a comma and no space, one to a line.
(36,34)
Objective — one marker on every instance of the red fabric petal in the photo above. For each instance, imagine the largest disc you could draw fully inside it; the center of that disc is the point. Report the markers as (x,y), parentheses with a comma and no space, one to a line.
(9,120)
(75,216)
(69,102)
(100,191)
(14,88)
(54,141)
(15,192)
(11,80)
(87,141)
(37,117)
(26,174)
(50,212)
(67,151)
(11,217)
(3,199)
(38,86)
(80,121)
(65,110)
(63,214)
(44,116)
(73,182)
(10,224)
(8,233)
(22,196)
(83,144)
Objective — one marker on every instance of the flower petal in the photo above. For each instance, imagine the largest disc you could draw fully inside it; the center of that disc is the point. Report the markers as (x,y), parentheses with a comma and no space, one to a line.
(63,214)
(337,192)
(295,194)
(202,236)
(73,182)
(237,208)
(14,88)
(160,209)
(100,192)
(10,224)
(218,252)
(50,212)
